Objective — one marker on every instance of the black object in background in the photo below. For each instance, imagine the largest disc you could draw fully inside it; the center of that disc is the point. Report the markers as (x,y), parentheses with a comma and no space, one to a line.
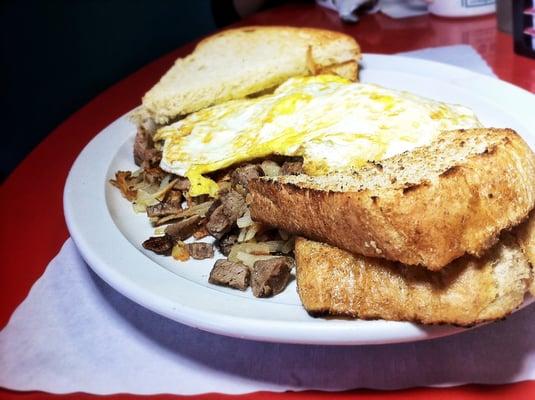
(524,27)
(58,54)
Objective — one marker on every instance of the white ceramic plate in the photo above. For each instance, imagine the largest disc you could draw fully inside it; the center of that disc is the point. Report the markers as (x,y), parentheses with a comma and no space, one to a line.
(109,234)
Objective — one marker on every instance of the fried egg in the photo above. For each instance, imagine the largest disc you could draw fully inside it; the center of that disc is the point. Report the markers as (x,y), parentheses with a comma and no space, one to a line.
(334,124)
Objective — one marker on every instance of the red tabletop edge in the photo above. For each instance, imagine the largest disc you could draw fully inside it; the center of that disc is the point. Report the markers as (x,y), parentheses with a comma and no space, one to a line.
(517,391)
(33,227)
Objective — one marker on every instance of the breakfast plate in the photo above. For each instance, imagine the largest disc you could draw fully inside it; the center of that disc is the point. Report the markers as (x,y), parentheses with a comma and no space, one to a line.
(109,234)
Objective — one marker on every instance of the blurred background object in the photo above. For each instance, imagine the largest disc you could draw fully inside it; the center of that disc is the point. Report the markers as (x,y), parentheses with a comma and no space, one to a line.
(504,13)
(349,10)
(524,27)
(461,8)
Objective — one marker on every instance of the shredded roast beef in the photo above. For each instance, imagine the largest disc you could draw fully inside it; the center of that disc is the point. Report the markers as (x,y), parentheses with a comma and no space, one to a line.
(234,204)
(182,230)
(182,184)
(159,244)
(154,175)
(223,217)
(240,177)
(200,216)
(145,155)
(218,223)
(162,209)
(174,198)
(292,167)
(201,231)
(171,205)
(233,274)
(226,242)
(200,250)
(270,277)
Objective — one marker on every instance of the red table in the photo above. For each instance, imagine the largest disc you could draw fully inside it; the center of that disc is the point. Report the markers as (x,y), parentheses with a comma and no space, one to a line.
(29,239)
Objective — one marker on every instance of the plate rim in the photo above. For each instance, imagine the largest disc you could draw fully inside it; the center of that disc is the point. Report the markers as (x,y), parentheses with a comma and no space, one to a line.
(302,332)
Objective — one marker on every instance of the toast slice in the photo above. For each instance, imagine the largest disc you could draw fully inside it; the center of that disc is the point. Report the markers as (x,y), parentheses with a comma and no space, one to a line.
(526,237)
(525,234)
(238,62)
(469,291)
(426,207)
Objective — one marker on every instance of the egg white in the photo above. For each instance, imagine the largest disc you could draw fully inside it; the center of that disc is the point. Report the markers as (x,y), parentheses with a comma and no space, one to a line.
(334,124)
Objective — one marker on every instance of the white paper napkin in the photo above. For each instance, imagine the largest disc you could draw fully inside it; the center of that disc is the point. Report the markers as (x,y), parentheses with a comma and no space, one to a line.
(75,333)
(461,55)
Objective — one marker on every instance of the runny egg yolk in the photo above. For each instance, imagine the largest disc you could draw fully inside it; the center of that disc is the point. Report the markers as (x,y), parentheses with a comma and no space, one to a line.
(334,124)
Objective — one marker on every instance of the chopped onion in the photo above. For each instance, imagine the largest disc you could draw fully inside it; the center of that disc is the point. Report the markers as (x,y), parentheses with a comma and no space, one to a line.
(137,172)
(251,248)
(245,220)
(160,231)
(241,235)
(275,246)
(270,168)
(143,200)
(288,246)
(250,259)
(165,181)
(251,231)
(160,194)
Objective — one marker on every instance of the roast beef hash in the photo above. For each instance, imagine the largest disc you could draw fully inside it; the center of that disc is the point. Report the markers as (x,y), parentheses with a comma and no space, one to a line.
(257,256)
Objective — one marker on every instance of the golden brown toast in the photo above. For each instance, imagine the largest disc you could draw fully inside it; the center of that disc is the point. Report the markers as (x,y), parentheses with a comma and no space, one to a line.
(425,207)
(525,234)
(468,291)
(238,62)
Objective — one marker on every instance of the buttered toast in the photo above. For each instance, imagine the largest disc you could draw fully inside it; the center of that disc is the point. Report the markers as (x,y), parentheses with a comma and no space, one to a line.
(468,291)
(239,62)
(426,207)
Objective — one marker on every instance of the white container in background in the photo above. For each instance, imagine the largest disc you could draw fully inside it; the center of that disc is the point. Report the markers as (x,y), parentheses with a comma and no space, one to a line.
(461,8)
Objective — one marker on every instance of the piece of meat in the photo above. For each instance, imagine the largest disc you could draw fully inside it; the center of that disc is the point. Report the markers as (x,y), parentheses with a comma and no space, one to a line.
(174,198)
(218,223)
(292,167)
(194,201)
(226,243)
(153,175)
(162,209)
(215,204)
(159,244)
(232,274)
(224,216)
(270,277)
(200,250)
(201,232)
(233,204)
(182,230)
(145,155)
(240,177)
(182,184)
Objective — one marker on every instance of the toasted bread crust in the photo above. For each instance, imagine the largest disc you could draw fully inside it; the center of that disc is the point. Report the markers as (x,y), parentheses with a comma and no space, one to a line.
(469,291)
(525,234)
(526,237)
(238,62)
(430,223)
